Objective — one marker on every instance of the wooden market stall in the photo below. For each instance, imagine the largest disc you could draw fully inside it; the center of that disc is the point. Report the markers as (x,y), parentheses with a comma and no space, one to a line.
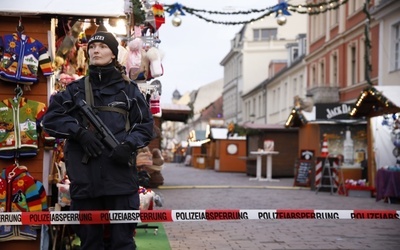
(286,142)
(381,106)
(229,151)
(38,24)
(325,131)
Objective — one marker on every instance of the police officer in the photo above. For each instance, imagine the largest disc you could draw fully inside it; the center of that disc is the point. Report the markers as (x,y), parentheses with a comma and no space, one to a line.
(102,178)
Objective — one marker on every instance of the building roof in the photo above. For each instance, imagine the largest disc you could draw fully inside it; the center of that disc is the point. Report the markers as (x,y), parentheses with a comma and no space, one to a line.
(206,95)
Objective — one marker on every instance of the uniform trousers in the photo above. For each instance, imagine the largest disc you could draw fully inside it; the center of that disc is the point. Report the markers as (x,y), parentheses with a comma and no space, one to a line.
(108,236)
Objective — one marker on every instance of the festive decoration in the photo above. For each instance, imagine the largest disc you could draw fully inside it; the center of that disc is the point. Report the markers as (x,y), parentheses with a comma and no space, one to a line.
(371,102)
(176,21)
(281,10)
(367,42)
(175,8)
(137,11)
(296,118)
(281,19)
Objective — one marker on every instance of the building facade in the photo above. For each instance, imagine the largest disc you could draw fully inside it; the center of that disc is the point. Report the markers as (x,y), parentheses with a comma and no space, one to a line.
(246,64)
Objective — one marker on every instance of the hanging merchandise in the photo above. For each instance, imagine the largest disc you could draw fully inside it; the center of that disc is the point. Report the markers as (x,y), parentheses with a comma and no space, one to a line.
(155,104)
(135,66)
(21,57)
(69,40)
(19,123)
(155,57)
(159,17)
(20,192)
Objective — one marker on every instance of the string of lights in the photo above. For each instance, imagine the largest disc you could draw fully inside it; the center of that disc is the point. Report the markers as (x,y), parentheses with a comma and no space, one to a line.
(282,9)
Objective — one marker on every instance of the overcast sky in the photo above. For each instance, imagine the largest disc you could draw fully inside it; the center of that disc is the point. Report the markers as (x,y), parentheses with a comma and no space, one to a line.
(194,50)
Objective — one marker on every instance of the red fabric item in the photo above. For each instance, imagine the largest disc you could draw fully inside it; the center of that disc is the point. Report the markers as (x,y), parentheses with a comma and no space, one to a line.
(155,105)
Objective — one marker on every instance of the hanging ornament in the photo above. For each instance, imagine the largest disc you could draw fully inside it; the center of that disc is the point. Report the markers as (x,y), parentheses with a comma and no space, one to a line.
(176,21)
(281,19)
(281,10)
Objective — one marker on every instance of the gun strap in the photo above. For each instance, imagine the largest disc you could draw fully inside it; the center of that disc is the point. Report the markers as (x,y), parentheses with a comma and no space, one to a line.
(88,92)
(90,102)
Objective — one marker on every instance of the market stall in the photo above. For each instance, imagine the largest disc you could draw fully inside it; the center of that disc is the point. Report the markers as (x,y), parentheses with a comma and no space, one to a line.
(228,151)
(381,105)
(49,28)
(329,131)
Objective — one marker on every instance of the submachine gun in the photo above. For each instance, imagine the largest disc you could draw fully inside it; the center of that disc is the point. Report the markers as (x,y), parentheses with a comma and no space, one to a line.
(101,130)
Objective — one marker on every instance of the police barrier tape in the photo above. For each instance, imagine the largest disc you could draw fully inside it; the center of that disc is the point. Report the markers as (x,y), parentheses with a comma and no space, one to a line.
(129,216)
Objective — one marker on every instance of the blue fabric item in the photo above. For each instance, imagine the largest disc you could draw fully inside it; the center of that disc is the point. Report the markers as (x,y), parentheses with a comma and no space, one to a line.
(44,238)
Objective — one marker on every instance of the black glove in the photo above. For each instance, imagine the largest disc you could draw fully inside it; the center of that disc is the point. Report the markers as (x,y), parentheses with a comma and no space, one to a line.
(92,146)
(122,153)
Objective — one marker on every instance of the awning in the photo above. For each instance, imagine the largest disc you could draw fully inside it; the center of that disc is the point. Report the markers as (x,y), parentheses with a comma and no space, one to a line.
(376,101)
(175,112)
(86,8)
(263,126)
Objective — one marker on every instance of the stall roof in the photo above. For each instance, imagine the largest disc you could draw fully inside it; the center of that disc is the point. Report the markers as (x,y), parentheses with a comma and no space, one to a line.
(175,112)
(219,133)
(84,8)
(259,126)
(377,100)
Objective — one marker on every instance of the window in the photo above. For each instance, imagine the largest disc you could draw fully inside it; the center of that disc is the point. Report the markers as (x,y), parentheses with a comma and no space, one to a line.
(301,84)
(279,99)
(352,68)
(396,47)
(295,53)
(334,17)
(264,103)
(274,104)
(322,73)
(314,76)
(265,34)
(254,106)
(284,97)
(355,6)
(362,61)
(334,70)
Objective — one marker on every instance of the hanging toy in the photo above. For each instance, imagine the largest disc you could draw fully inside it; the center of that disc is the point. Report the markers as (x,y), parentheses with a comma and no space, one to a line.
(158,11)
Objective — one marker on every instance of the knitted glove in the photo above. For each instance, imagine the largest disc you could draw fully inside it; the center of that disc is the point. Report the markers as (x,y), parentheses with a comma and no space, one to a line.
(92,146)
(122,153)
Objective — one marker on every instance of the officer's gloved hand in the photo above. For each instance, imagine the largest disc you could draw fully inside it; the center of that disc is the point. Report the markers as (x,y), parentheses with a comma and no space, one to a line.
(122,152)
(92,146)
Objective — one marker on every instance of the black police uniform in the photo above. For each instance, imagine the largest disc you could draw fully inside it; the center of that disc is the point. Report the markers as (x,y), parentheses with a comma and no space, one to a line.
(102,183)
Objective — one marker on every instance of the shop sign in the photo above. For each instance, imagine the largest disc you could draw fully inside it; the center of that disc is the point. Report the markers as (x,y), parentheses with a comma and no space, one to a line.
(331,111)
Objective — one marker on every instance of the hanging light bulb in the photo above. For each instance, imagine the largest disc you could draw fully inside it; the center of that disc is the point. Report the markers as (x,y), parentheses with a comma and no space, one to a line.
(281,19)
(176,21)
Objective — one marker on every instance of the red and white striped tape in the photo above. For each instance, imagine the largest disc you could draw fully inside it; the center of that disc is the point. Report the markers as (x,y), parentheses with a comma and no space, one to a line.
(129,216)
